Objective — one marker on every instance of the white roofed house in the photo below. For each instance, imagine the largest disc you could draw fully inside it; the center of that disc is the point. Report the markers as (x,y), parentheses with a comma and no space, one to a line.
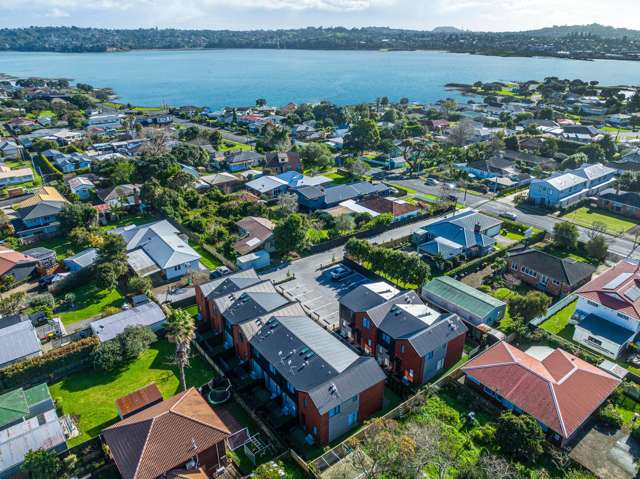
(158,248)
(147,314)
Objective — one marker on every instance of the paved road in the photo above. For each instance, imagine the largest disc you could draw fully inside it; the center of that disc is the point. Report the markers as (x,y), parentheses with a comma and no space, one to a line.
(619,245)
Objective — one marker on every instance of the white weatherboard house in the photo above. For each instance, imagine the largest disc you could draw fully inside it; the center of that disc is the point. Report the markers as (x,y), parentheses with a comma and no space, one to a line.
(158,248)
(608,310)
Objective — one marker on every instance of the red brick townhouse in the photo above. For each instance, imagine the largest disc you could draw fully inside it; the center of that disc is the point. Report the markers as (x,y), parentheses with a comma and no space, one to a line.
(561,390)
(406,336)
(316,377)
(553,275)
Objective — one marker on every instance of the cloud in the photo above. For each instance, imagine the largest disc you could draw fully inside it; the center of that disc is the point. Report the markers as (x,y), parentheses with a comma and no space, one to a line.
(58,13)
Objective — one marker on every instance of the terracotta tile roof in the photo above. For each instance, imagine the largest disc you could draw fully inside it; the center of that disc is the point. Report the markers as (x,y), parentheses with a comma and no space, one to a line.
(618,288)
(386,205)
(138,399)
(561,391)
(162,437)
(10,258)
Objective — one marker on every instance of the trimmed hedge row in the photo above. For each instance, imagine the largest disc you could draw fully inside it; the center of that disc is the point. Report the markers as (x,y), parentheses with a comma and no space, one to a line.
(45,367)
(51,167)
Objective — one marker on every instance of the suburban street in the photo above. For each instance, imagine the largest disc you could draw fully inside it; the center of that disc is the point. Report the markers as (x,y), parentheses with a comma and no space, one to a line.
(619,245)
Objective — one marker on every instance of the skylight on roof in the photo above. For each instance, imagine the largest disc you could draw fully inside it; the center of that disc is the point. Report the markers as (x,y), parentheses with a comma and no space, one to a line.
(633,294)
(618,280)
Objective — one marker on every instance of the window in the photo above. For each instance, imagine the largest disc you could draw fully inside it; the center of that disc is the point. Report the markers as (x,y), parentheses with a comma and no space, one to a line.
(353,418)
(514,266)
(386,338)
(365,323)
(594,340)
(272,369)
(291,389)
(315,430)
(402,348)
(411,372)
(430,355)
(304,403)
(334,411)
(354,398)
(369,342)
(591,303)
(623,316)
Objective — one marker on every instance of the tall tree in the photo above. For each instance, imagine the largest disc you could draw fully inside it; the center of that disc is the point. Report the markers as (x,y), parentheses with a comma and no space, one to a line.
(364,135)
(42,464)
(290,234)
(565,236)
(181,326)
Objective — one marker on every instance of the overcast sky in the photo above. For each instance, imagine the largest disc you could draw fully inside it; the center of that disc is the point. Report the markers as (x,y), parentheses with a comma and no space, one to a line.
(495,15)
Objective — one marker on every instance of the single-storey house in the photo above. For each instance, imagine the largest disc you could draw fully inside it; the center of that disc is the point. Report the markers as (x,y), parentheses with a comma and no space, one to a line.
(255,233)
(158,248)
(181,437)
(472,305)
(28,422)
(553,275)
(81,260)
(399,209)
(254,260)
(147,314)
(18,340)
(319,197)
(19,265)
(225,182)
(16,176)
(561,391)
(624,203)
(121,196)
(82,186)
(242,160)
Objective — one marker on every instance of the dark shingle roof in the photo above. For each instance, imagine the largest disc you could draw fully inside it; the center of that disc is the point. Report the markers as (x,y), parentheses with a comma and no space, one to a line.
(361,299)
(563,270)
(229,284)
(438,334)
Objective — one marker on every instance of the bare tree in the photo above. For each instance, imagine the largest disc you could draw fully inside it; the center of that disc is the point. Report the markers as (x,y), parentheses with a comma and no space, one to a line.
(434,446)
(287,204)
(495,467)
(158,140)
(460,134)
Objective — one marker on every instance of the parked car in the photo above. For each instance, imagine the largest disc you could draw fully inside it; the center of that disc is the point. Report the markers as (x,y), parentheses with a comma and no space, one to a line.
(510,215)
(431,182)
(339,273)
(219,272)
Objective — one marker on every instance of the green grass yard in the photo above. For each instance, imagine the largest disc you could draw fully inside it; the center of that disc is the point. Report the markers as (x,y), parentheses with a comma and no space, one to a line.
(90,397)
(126,220)
(60,244)
(587,216)
(559,323)
(90,302)
(228,145)
(207,259)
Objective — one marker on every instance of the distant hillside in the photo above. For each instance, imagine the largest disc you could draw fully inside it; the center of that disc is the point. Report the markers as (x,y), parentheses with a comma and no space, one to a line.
(447,30)
(596,29)
(587,42)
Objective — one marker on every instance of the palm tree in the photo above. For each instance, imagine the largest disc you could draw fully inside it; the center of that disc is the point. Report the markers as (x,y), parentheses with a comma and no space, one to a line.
(181,326)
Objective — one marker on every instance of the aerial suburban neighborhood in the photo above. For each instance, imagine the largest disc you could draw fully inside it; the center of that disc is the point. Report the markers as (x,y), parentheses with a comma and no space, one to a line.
(392,289)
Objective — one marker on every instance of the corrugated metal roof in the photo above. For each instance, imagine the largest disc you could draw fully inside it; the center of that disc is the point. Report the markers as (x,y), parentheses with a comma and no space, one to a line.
(463,296)
(108,328)
(17,341)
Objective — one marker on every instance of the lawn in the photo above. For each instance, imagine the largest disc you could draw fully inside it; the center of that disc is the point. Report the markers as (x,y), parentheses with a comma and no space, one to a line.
(126,220)
(559,322)
(90,397)
(587,216)
(229,145)
(337,178)
(207,259)
(563,254)
(90,302)
(147,108)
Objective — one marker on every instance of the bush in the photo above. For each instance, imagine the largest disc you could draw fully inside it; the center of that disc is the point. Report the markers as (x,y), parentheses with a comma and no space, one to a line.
(610,415)
(635,433)
(484,435)
(108,356)
(42,300)
(33,370)
(138,284)
(520,437)
(124,348)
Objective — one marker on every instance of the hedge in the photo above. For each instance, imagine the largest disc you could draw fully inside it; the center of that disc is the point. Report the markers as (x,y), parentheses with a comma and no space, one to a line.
(51,167)
(48,366)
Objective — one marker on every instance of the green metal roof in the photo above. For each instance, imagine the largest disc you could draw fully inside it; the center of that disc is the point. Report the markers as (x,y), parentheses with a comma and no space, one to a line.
(37,394)
(16,404)
(465,297)
(13,406)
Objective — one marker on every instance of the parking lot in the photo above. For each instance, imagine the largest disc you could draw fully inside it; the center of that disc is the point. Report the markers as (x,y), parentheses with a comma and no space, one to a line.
(316,290)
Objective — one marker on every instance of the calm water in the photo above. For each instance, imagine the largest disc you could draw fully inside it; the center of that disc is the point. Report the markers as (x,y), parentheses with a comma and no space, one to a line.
(216,78)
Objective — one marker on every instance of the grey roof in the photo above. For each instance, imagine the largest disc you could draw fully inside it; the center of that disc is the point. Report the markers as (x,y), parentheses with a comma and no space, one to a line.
(43,208)
(313,360)
(230,284)
(17,341)
(148,314)
(600,328)
(443,331)
(377,314)
(83,258)
(242,156)
(362,299)
(160,241)
(473,218)
(250,328)
(491,164)
(336,194)
(459,234)
(563,270)
(39,252)
(250,302)
(628,198)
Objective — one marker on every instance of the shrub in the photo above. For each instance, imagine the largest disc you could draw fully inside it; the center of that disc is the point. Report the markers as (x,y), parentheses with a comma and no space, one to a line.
(484,435)
(42,300)
(610,415)
(124,348)
(520,437)
(635,433)
(138,284)
(108,356)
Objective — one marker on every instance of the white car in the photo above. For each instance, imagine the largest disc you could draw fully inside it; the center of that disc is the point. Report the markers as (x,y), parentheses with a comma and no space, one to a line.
(510,215)
(431,182)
